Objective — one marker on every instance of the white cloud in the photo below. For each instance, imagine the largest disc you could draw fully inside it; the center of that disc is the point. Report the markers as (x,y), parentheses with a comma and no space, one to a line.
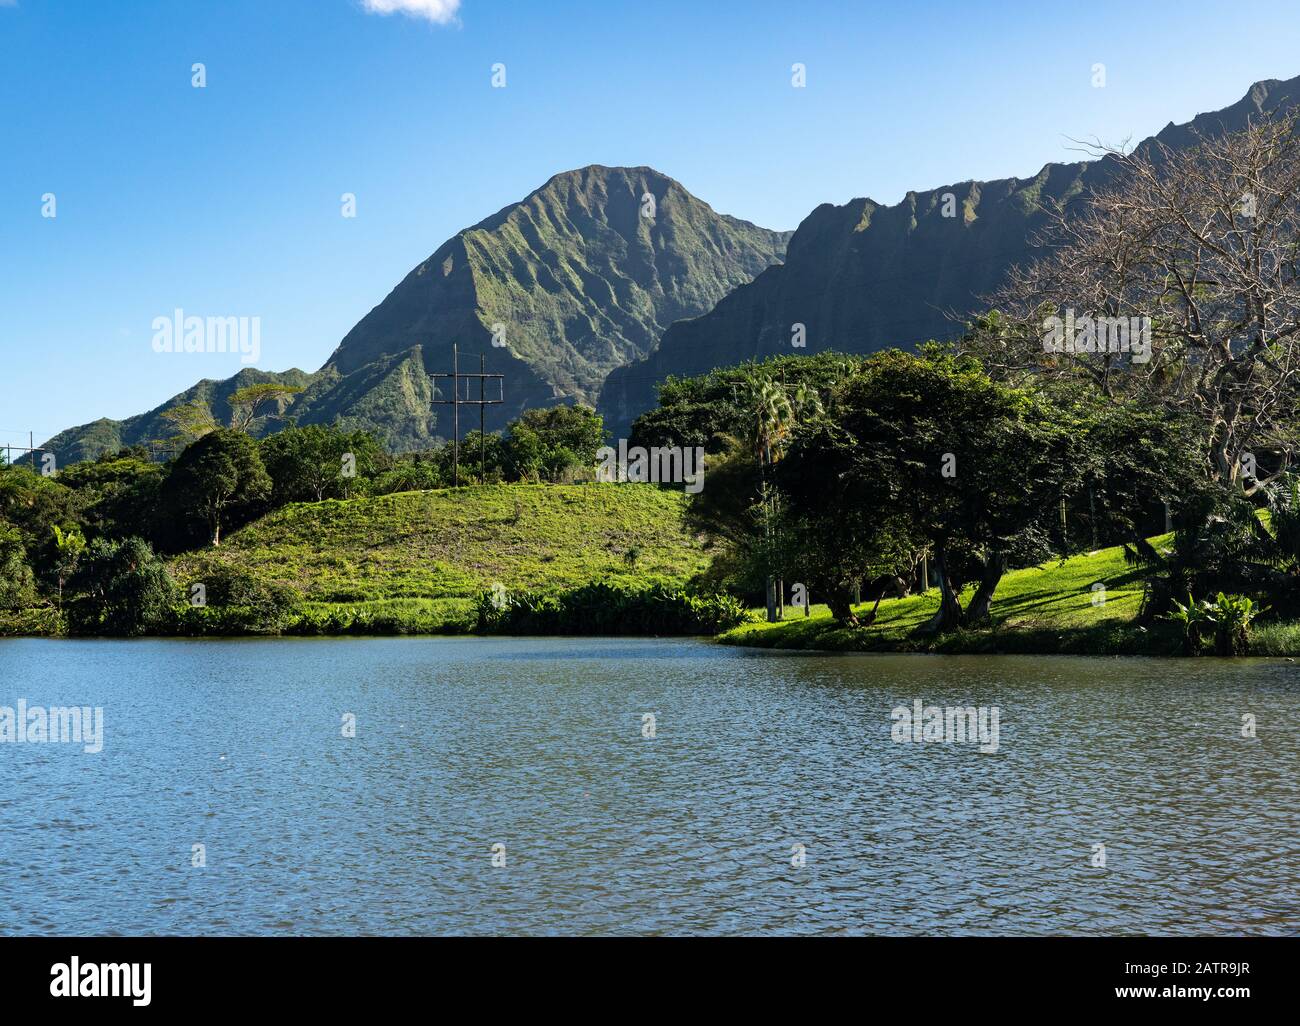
(441,11)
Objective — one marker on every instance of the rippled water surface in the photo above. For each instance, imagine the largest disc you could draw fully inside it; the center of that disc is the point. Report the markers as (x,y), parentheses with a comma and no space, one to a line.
(536,744)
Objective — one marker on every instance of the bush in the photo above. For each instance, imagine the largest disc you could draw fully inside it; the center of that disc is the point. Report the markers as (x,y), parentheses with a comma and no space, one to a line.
(605,609)
(17,585)
(237,602)
(1227,619)
(122,589)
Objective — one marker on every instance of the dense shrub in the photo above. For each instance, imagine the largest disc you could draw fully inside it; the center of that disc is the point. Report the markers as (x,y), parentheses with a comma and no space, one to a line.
(123,589)
(17,585)
(605,609)
(236,601)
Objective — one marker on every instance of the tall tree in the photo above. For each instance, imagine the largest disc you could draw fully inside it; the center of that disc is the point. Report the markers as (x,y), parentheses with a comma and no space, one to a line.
(1202,245)
(218,477)
(252,401)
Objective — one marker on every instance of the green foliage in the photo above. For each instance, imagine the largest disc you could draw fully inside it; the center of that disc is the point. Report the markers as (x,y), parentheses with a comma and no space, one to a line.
(1223,543)
(550,444)
(1194,620)
(33,622)
(1228,619)
(708,410)
(69,546)
(484,459)
(249,403)
(122,589)
(17,584)
(117,494)
(218,479)
(187,423)
(410,472)
(236,601)
(605,609)
(31,503)
(315,463)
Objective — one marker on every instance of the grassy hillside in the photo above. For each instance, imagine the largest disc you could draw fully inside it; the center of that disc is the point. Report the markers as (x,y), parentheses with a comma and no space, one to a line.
(451,544)
(1041,610)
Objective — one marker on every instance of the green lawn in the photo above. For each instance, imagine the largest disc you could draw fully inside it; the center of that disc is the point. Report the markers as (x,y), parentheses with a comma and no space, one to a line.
(1052,608)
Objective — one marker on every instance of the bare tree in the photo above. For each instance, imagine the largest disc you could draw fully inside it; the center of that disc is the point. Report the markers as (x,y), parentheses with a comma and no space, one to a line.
(1199,247)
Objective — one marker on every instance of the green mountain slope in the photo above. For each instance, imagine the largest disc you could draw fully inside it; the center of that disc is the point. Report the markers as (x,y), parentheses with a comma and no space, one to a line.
(90,440)
(575,279)
(862,276)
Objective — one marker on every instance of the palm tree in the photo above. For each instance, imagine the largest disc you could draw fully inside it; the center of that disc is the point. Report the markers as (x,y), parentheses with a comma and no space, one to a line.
(69,545)
(776,413)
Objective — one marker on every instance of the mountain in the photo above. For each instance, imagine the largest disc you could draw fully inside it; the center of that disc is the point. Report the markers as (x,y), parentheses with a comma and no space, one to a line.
(581,276)
(104,435)
(862,276)
(595,301)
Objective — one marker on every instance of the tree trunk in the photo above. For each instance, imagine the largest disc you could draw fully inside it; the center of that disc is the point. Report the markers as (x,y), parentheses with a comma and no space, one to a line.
(771,600)
(948,616)
(978,610)
(839,599)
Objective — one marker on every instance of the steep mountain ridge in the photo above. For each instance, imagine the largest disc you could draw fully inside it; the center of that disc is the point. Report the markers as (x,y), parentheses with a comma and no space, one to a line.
(582,275)
(861,276)
(597,294)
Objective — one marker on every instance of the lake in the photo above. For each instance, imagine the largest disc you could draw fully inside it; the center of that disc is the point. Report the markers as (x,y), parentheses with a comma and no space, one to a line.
(772,798)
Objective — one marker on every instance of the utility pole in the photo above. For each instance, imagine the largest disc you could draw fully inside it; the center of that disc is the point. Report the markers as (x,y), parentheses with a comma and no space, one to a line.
(455,402)
(455,418)
(482,422)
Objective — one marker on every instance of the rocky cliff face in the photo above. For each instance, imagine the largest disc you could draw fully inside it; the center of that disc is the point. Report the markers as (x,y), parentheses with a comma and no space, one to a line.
(581,276)
(862,277)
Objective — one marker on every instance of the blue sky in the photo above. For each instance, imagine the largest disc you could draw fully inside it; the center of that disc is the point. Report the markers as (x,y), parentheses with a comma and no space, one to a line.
(225,200)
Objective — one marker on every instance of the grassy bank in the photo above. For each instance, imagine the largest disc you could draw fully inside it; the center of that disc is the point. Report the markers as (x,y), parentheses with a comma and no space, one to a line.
(1049,609)
(452,544)
(416,562)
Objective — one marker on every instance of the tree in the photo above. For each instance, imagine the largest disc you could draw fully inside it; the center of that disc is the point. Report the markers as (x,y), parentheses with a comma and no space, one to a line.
(189,422)
(313,463)
(708,410)
(483,457)
(839,521)
(544,444)
(218,478)
(17,586)
(249,402)
(1200,245)
(753,419)
(123,588)
(118,495)
(775,410)
(69,545)
(974,468)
